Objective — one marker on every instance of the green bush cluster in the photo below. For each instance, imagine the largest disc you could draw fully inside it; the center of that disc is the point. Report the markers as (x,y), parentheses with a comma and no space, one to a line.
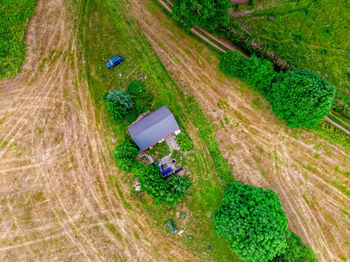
(136,88)
(161,190)
(125,153)
(184,141)
(14,17)
(301,97)
(296,251)
(127,106)
(207,13)
(253,222)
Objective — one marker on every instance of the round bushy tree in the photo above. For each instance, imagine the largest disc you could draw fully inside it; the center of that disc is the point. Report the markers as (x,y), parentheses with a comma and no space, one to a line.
(301,98)
(253,222)
(136,88)
(231,63)
(296,251)
(125,153)
(120,98)
(259,73)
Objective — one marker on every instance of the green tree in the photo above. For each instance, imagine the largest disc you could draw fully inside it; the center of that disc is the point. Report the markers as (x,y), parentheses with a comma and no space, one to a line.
(125,153)
(252,220)
(136,88)
(120,98)
(259,73)
(296,251)
(207,13)
(231,63)
(161,190)
(301,98)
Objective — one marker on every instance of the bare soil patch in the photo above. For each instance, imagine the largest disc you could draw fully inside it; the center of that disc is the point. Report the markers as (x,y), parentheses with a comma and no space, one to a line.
(57,200)
(311,175)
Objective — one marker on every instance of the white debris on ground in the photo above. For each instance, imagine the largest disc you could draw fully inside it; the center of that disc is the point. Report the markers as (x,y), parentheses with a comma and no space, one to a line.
(149,157)
(181,232)
(137,185)
(172,142)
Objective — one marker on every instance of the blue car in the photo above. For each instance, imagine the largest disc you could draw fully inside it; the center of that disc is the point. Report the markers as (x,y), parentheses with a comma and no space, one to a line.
(114,61)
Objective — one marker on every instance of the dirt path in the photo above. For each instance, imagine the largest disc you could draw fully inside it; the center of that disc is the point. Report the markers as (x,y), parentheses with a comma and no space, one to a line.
(311,175)
(56,201)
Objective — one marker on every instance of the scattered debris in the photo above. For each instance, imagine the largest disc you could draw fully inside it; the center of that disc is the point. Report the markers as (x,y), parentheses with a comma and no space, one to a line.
(181,232)
(208,248)
(182,215)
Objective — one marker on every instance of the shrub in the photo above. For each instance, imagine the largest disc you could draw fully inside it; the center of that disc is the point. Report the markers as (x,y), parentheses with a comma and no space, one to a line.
(120,98)
(162,191)
(119,105)
(184,141)
(125,153)
(259,73)
(301,98)
(136,88)
(296,251)
(252,220)
(143,102)
(231,63)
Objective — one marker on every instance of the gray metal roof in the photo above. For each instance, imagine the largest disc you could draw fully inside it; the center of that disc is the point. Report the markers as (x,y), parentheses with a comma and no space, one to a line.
(153,128)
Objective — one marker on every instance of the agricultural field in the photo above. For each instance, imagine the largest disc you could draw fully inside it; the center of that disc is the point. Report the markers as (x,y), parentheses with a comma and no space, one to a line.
(307,34)
(64,198)
(14,18)
(310,174)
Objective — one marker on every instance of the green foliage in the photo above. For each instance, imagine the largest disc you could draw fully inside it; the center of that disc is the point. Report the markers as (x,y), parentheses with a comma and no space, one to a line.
(120,106)
(120,98)
(259,73)
(301,98)
(296,251)
(125,153)
(231,63)
(14,17)
(184,141)
(253,222)
(207,13)
(143,102)
(162,191)
(136,88)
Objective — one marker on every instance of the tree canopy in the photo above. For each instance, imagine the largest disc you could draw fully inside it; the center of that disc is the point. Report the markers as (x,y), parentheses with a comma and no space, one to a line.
(125,153)
(259,73)
(161,190)
(296,251)
(136,88)
(207,13)
(231,63)
(301,98)
(253,222)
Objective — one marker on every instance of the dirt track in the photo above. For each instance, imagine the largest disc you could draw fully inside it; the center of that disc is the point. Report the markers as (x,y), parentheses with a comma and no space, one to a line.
(311,175)
(56,202)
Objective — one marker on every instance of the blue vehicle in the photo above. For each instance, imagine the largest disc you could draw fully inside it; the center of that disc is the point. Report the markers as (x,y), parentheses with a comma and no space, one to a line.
(114,61)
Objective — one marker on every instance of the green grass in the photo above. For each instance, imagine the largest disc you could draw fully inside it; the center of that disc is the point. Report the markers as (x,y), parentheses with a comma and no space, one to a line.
(306,33)
(14,17)
(107,28)
(159,151)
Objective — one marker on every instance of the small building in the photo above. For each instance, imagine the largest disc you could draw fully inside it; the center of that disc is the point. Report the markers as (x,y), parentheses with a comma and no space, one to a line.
(154,128)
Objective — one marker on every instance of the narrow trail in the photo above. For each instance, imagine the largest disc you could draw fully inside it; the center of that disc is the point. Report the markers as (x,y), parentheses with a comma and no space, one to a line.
(216,43)
(307,172)
(57,201)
